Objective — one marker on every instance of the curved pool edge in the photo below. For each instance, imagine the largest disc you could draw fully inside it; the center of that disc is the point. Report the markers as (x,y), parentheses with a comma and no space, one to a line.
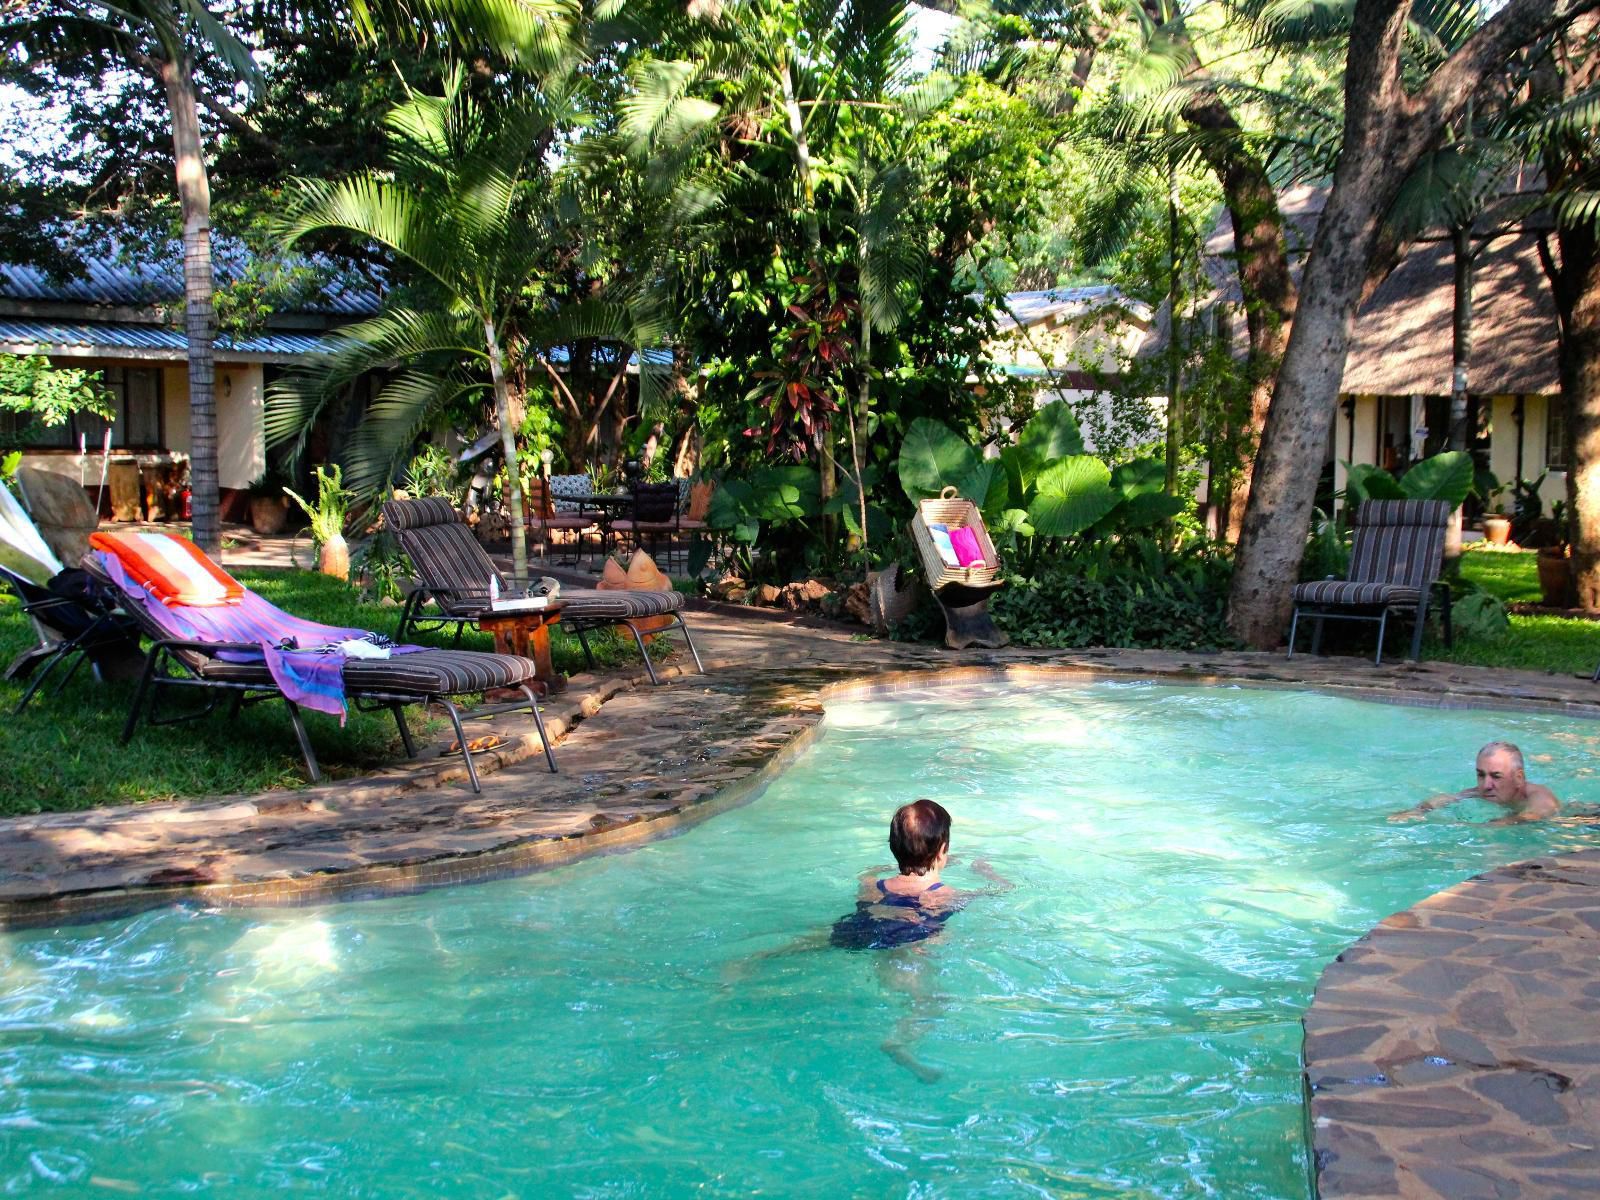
(1451,1052)
(741,724)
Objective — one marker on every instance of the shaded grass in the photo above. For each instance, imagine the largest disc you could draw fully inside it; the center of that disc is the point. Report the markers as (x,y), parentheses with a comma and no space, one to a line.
(64,752)
(1559,645)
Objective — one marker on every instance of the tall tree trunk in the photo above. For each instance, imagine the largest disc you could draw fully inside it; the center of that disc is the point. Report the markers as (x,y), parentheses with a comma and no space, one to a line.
(199,316)
(1575,283)
(828,473)
(1385,133)
(1265,283)
(1579,358)
(1460,335)
(508,450)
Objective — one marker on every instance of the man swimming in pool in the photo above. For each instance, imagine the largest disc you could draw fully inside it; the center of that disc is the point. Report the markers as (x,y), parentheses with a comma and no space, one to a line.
(1502,780)
(913,905)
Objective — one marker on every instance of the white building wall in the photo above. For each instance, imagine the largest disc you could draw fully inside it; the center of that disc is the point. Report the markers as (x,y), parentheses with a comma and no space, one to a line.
(1535,441)
(241,406)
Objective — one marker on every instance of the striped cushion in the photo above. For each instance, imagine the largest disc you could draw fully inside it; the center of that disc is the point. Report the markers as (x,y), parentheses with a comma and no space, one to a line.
(1399,542)
(1339,591)
(590,605)
(425,673)
(569,490)
(448,556)
(408,514)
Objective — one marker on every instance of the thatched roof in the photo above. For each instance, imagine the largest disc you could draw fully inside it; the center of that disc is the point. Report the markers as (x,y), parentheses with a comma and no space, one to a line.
(1402,342)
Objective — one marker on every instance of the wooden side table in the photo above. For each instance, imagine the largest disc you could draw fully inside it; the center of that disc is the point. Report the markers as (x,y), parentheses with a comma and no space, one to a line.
(527,633)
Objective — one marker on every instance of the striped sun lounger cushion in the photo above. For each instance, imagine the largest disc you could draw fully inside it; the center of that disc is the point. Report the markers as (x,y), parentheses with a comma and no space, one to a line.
(426,672)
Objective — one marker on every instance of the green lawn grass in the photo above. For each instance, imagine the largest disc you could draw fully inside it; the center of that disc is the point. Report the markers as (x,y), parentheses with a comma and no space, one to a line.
(63,752)
(1555,644)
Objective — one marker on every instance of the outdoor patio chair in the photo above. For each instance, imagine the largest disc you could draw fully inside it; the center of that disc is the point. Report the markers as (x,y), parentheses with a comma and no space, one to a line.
(653,515)
(543,518)
(74,621)
(1395,558)
(252,651)
(454,573)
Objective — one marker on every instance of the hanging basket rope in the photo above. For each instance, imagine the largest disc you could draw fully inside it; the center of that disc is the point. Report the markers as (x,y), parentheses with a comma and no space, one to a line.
(953,512)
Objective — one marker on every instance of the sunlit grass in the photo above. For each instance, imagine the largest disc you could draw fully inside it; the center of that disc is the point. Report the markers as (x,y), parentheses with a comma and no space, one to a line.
(64,752)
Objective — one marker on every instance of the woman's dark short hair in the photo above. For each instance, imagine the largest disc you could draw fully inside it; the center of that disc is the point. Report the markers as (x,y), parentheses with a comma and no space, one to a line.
(919,831)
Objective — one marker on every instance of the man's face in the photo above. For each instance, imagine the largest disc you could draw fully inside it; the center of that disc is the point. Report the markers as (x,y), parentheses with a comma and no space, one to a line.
(1498,777)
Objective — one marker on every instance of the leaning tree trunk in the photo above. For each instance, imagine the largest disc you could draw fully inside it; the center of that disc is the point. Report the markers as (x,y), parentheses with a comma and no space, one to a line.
(1579,357)
(199,317)
(1386,132)
(1265,283)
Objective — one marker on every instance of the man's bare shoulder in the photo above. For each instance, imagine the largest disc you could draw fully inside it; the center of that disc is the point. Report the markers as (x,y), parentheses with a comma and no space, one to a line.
(1541,802)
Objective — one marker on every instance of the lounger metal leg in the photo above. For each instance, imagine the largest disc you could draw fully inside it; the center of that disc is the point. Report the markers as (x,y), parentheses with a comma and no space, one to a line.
(1416,637)
(1316,635)
(689,641)
(146,678)
(1383,626)
(405,734)
(460,627)
(645,652)
(304,739)
(583,640)
(38,681)
(1294,629)
(461,740)
(77,661)
(538,720)
(408,614)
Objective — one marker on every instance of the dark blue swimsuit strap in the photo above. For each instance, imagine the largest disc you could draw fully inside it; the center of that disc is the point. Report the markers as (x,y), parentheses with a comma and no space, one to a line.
(884,888)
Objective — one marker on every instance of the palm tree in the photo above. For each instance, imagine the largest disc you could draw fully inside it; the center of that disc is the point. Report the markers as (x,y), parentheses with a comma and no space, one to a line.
(463,209)
(161,40)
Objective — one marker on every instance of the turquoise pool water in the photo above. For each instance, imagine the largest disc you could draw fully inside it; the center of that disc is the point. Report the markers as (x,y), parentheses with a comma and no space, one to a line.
(1123,1023)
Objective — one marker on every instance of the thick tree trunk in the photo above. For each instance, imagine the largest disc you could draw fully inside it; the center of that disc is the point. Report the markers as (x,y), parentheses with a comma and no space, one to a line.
(199,317)
(1460,336)
(1385,133)
(1580,393)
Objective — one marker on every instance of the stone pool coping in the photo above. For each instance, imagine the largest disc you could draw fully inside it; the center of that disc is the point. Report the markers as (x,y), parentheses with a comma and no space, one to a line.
(640,762)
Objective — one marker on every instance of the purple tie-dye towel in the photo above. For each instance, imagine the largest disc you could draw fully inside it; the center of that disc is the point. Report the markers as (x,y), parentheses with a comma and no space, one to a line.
(301,656)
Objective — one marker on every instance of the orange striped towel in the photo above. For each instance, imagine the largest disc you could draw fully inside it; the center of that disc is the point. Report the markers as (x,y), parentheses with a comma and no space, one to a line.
(175,570)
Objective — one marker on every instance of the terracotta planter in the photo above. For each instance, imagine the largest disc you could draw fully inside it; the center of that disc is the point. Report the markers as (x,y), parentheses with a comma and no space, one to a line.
(1497,530)
(1558,579)
(269,514)
(334,558)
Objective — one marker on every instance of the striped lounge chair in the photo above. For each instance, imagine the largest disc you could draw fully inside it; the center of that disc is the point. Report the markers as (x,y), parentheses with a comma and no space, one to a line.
(453,574)
(1395,558)
(238,670)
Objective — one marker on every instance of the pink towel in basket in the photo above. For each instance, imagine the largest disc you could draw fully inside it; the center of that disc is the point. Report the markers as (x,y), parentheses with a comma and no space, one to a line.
(965,544)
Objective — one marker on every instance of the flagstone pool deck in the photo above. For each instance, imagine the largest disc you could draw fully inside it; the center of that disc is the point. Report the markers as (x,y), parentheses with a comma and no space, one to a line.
(1451,1053)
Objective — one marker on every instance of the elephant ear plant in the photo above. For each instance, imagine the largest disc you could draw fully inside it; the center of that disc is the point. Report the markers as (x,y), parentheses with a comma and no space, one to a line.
(327,519)
(1042,492)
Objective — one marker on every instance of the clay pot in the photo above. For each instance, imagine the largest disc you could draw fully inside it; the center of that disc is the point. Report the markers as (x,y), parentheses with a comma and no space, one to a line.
(1558,578)
(269,514)
(1497,530)
(334,558)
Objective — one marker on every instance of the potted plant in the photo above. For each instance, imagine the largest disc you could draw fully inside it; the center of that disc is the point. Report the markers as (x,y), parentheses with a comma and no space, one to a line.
(1496,523)
(327,521)
(1558,575)
(269,506)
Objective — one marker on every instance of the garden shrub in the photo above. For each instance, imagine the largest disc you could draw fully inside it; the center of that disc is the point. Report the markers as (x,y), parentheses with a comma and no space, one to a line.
(1138,598)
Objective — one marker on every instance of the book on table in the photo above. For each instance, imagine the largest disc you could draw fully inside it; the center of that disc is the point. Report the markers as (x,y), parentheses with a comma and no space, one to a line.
(516,604)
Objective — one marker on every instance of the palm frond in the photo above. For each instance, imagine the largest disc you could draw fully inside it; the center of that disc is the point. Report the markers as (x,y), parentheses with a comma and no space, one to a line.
(406,406)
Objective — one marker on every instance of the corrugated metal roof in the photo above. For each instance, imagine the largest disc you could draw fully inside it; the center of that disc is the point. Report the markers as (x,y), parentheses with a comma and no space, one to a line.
(147,338)
(118,278)
(1030,308)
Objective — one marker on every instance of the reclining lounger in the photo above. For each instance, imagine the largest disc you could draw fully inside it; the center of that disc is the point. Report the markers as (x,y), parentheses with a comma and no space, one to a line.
(453,573)
(239,669)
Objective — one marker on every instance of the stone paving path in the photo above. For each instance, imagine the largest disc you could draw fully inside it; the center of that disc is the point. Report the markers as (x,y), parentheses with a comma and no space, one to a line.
(1452,1053)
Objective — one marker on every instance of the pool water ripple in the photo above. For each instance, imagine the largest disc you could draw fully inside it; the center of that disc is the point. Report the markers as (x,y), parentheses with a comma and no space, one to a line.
(1124,1022)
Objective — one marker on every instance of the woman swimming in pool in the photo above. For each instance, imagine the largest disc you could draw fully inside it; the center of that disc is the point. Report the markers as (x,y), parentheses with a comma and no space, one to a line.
(913,905)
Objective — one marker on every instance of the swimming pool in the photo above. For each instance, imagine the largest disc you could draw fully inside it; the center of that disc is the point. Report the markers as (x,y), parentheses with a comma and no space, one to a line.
(1123,1023)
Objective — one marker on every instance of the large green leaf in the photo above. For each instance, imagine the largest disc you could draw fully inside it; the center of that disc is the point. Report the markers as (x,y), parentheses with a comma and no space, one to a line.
(786,493)
(1446,476)
(1365,481)
(1146,510)
(1140,477)
(1051,434)
(1074,493)
(1017,492)
(933,456)
(985,485)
